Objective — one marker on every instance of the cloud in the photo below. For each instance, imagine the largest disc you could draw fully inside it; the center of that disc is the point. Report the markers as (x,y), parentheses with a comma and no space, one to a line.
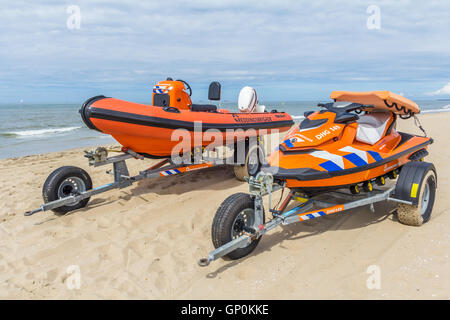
(122,48)
(443,91)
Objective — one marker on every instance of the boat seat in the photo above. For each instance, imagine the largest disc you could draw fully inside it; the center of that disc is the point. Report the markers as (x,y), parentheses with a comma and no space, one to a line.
(204,108)
(372,126)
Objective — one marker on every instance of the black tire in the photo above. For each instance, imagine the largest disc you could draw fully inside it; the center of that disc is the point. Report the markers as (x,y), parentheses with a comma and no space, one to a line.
(355,189)
(253,152)
(224,220)
(416,184)
(73,178)
(381,181)
(368,186)
(393,174)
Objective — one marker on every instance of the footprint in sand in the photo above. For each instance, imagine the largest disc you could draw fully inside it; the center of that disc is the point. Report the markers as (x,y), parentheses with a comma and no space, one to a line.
(52,275)
(30,276)
(246,273)
(138,246)
(160,251)
(73,221)
(177,232)
(131,256)
(197,220)
(162,229)
(97,236)
(103,222)
(160,281)
(155,266)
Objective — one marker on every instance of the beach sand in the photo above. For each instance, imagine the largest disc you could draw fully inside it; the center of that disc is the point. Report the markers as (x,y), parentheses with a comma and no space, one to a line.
(144,241)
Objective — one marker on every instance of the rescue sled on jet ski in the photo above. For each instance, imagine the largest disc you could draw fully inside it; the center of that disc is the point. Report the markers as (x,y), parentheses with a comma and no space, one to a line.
(184,135)
(337,158)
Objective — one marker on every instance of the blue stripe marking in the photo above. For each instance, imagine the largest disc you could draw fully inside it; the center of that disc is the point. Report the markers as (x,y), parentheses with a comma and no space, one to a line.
(101,187)
(177,171)
(321,213)
(168,172)
(311,216)
(330,166)
(375,155)
(355,159)
(288,143)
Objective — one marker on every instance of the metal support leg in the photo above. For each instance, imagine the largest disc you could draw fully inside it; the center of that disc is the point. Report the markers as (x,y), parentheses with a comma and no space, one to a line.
(259,212)
(121,174)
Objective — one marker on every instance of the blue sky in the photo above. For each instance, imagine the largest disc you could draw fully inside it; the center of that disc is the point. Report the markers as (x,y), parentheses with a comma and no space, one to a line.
(287,50)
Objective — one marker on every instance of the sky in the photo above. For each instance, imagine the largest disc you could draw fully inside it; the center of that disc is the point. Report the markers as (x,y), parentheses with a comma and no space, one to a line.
(288,50)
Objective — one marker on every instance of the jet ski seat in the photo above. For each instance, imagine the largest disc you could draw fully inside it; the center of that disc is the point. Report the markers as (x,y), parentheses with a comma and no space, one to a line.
(372,126)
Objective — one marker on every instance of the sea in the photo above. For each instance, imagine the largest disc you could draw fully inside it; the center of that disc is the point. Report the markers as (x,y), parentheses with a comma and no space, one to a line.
(28,129)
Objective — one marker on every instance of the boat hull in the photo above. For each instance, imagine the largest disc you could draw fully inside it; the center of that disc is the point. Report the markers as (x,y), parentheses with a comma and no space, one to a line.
(161,132)
(310,172)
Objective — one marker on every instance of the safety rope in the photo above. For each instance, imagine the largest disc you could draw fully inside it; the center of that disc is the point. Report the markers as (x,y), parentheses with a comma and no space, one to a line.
(407,113)
(419,125)
(279,201)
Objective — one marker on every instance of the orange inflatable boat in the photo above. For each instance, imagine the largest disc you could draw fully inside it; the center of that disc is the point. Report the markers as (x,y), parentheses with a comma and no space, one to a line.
(150,130)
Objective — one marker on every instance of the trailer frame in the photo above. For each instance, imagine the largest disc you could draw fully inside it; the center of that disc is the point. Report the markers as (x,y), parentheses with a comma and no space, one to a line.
(122,179)
(263,184)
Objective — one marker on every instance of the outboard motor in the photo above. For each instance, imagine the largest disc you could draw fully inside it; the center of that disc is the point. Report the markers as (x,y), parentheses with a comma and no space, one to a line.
(248,101)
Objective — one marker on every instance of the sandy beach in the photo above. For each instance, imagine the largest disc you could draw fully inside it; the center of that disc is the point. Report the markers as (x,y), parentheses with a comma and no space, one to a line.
(143,242)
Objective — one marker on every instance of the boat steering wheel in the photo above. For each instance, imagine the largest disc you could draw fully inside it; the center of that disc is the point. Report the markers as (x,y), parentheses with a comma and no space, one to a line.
(188,87)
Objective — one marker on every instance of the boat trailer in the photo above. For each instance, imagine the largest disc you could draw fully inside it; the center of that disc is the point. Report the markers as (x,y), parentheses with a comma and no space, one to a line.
(73,190)
(309,208)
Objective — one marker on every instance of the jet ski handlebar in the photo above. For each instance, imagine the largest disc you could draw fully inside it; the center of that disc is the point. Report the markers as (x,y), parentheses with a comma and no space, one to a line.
(339,107)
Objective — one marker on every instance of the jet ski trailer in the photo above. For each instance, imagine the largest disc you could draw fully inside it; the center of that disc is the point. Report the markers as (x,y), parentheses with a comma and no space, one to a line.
(239,223)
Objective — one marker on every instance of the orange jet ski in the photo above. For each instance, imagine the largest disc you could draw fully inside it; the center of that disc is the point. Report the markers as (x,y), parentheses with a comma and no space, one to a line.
(351,141)
(149,129)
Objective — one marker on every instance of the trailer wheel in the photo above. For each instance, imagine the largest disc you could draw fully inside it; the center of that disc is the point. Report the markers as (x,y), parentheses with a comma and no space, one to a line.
(254,158)
(236,212)
(66,181)
(417,184)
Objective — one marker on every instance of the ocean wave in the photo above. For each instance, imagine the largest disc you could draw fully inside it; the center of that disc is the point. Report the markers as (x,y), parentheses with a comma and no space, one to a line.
(38,132)
(443,109)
